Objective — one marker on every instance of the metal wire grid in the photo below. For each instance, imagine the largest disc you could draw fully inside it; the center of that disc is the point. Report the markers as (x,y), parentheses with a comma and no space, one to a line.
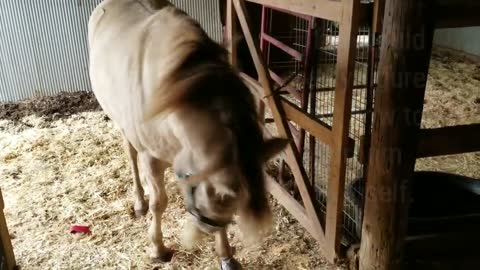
(301,34)
(360,122)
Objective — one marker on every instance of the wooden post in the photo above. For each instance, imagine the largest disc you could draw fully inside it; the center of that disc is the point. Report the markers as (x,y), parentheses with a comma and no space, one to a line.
(231,33)
(403,68)
(7,258)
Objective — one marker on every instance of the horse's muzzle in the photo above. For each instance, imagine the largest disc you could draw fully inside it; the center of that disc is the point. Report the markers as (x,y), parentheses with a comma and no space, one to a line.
(204,223)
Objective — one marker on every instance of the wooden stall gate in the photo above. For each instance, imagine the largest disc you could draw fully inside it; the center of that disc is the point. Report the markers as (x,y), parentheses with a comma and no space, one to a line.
(349,15)
(7,259)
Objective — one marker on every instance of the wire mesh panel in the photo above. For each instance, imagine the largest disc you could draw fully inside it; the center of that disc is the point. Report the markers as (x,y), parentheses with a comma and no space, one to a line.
(358,125)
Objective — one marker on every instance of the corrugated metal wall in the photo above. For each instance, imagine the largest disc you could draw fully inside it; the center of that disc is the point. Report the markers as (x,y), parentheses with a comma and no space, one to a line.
(43,47)
(43,44)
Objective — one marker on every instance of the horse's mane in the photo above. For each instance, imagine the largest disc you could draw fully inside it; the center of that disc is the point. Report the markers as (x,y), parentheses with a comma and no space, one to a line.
(203,75)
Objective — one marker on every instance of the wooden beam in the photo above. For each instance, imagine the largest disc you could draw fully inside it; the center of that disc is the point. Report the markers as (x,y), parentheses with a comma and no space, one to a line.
(282,46)
(232,35)
(345,72)
(292,155)
(294,92)
(448,140)
(448,13)
(362,150)
(296,210)
(456,17)
(456,13)
(6,249)
(364,11)
(295,134)
(386,209)
(318,129)
(253,84)
(289,12)
(325,9)
(378,11)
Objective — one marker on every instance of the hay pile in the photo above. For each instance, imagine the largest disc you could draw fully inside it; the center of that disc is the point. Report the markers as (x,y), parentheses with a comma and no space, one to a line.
(62,163)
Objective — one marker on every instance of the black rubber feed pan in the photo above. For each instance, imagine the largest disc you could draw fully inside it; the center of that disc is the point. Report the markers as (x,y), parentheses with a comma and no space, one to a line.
(439,202)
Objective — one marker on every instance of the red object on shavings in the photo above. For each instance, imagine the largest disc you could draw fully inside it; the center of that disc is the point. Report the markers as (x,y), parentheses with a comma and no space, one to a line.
(79,229)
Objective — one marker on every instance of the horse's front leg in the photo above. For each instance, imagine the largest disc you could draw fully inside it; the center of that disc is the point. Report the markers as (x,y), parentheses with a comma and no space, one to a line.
(154,173)
(225,252)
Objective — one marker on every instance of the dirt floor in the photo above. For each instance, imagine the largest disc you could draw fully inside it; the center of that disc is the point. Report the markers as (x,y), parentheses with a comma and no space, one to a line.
(62,163)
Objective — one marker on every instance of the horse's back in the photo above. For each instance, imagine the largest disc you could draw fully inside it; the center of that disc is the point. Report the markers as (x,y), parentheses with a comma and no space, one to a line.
(112,16)
(133,47)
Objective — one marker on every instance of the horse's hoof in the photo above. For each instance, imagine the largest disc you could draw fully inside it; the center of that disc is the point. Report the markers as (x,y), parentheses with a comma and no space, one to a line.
(230,264)
(164,257)
(141,212)
(140,208)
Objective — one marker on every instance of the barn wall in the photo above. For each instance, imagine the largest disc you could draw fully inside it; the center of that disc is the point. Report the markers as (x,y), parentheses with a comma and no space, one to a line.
(43,44)
(462,39)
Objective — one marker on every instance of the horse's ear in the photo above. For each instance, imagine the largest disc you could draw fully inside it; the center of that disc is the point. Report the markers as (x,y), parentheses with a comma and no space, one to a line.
(272,147)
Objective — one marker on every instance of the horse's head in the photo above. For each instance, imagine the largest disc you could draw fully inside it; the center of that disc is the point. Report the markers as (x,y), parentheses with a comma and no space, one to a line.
(223,151)
(233,185)
(221,165)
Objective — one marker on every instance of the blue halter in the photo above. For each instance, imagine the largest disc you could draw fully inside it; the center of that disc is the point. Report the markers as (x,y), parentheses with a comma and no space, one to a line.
(190,201)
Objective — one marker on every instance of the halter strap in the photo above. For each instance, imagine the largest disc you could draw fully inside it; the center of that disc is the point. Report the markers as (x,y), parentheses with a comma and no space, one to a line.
(190,200)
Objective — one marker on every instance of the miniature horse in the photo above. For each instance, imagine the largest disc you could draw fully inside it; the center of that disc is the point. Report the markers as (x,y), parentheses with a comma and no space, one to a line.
(178,102)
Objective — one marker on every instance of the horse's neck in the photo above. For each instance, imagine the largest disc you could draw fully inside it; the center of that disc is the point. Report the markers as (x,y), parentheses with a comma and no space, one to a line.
(202,132)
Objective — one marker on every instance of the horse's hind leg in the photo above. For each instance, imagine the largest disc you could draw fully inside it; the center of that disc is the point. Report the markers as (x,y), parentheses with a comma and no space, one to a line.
(140,206)
(154,170)
(225,252)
